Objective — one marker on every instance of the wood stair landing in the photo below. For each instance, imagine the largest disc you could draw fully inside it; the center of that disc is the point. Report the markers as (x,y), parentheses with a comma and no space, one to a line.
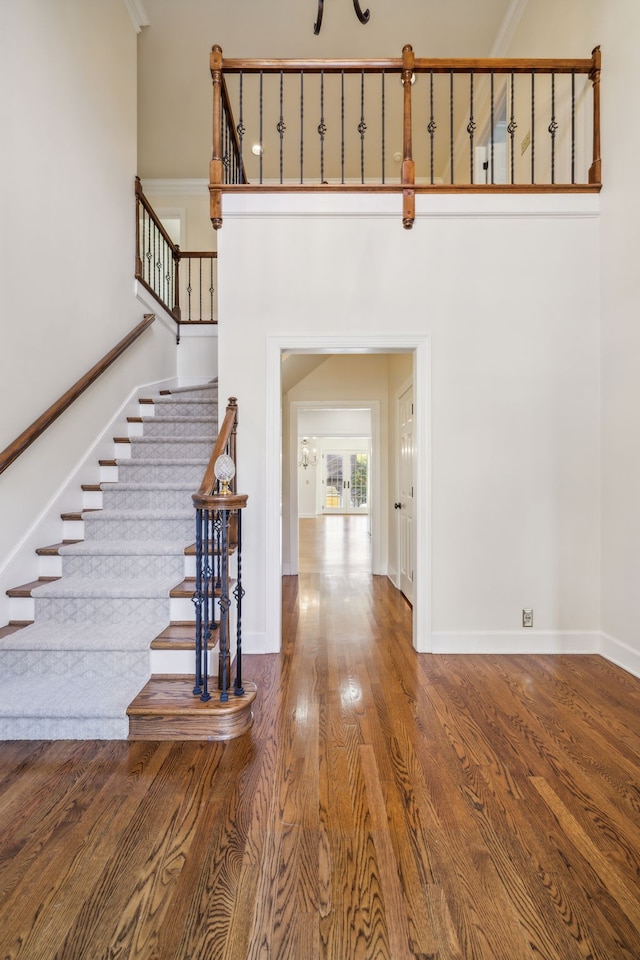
(166,709)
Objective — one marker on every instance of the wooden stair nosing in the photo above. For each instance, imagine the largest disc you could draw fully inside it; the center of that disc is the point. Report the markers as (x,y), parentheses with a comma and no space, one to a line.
(54,549)
(24,590)
(181,635)
(91,487)
(13,627)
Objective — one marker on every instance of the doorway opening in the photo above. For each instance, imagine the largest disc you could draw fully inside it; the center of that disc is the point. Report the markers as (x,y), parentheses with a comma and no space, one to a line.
(282,453)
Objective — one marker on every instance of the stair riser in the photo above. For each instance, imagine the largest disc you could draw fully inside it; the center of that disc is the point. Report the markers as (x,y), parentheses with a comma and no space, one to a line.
(149,500)
(78,663)
(186,408)
(180,662)
(63,728)
(167,473)
(52,566)
(165,427)
(158,448)
(125,567)
(106,610)
(182,531)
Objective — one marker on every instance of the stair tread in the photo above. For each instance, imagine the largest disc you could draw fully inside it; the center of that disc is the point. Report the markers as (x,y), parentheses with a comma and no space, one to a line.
(181,636)
(53,550)
(13,627)
(173,696)
(24,590)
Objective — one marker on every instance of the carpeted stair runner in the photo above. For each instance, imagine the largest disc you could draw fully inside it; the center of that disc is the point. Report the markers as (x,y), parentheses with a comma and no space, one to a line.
(73,672)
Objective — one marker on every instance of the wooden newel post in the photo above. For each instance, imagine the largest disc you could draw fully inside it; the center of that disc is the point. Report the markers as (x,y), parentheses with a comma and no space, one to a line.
(408,163)
(216,168)
(595,170)
(138,257)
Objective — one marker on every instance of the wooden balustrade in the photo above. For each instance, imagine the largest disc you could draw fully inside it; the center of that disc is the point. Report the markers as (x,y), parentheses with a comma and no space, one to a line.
(188,295)
(318,125)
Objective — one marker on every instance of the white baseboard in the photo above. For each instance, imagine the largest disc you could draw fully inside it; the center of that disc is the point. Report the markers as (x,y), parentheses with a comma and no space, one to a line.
(520,641)
(620,653)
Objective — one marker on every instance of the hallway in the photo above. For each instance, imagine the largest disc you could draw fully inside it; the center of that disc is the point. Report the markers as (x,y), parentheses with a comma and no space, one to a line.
(385,806)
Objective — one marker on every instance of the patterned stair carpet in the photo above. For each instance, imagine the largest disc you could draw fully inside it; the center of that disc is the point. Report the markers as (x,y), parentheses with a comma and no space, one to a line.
(73,672)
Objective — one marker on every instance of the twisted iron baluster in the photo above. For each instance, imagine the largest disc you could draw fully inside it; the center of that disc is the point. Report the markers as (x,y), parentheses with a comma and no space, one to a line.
(511,130)
(432,125)
(238,593)
(493,126)
(322,127)
(383,128)
(573,127)
(342,126)
(281,126)
(261,119)
(553,128)
(471,126)
(362,127)
(451,123)
(533,127)
(301,126)
(241,129)
(197,601)
(224,608)
(206,593)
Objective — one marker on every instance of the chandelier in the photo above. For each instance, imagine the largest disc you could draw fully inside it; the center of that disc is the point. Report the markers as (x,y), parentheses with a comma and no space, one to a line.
(306,457)
(362,15)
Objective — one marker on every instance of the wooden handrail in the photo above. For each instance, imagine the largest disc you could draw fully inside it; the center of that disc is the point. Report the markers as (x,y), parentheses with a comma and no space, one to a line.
(422,65)
(226,437)
(37,428)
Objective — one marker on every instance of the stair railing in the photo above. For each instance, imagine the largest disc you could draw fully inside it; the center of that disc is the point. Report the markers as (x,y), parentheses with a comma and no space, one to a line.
(187,294)
(218,537)
(404,125)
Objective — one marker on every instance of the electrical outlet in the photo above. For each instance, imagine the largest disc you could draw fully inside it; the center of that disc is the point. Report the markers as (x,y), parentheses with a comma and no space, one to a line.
(527,617)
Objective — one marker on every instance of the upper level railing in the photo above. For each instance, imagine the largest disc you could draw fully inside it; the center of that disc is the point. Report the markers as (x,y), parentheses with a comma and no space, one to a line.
(187,292)
(404,125)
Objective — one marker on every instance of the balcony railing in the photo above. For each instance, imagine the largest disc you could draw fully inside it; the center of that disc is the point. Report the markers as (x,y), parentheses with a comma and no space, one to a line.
(404,125)
(183,282)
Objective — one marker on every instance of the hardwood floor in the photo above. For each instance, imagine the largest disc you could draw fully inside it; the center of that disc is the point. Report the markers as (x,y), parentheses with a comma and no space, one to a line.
(384,805)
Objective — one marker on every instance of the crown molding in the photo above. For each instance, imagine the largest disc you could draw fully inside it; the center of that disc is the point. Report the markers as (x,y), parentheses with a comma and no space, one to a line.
(138,14)
(508,27)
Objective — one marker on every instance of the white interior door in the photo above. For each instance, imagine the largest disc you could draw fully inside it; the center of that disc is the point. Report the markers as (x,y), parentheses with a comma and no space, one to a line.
(404,503)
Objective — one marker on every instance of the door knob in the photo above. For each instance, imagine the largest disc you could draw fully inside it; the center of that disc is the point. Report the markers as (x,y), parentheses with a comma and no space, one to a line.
(397,506)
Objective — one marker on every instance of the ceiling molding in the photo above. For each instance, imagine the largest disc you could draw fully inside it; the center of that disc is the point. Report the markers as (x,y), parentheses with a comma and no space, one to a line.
(138,14)
(508,27)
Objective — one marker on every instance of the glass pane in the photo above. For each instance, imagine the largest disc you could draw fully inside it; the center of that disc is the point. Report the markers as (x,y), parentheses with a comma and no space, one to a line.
(359,467)
(334,481)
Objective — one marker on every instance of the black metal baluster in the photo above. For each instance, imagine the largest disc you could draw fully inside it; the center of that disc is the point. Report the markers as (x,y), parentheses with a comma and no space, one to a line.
(553,128)
(342,126)
(281,127)
(573,127)
(200,285)
(383,127)
(238,593)
(432,125)
(301,126)
(224,608)
(197,601)
(206,592)
(241,129)
(471,126)
(511,130)
(493,175)
(211,288)
(322,127)
(189,289)
(533,127)
(261,120)
(451,124)
(362,127)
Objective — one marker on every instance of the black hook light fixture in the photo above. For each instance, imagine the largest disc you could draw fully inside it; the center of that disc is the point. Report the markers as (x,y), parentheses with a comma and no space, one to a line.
(362,15)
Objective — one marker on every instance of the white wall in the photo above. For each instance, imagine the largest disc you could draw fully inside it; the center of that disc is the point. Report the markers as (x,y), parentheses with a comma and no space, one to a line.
(68,119)
(507,290)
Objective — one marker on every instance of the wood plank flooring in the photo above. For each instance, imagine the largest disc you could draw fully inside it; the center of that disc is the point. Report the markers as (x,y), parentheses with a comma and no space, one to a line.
(385,806)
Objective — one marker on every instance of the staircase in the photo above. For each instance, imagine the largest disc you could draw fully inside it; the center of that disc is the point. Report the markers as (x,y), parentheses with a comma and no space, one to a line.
(113,603)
